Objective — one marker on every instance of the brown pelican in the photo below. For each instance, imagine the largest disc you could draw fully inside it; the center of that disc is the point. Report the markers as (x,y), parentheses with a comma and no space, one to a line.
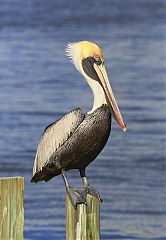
(76,139)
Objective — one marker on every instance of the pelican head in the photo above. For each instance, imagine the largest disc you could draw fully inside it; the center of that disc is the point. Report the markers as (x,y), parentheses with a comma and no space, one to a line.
(89,61)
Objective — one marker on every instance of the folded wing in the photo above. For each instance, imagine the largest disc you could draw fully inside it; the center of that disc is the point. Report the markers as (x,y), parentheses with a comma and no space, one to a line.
(54,137)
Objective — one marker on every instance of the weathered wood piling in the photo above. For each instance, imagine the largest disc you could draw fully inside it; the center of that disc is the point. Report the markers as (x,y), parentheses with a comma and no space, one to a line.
(12,208)
(83,223)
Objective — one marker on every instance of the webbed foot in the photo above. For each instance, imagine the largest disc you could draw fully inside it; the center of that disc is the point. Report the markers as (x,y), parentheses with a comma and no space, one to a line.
(76,196)
(92,191)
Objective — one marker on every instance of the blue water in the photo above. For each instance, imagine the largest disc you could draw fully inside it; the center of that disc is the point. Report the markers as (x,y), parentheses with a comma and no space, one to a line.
(38,84)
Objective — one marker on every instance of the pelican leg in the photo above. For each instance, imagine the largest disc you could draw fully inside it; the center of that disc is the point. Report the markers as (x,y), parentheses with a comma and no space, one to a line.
(76,196)
(87,187)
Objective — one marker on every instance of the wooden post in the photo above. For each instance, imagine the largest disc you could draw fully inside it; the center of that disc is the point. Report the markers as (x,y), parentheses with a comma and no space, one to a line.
(11,208)
(83,223)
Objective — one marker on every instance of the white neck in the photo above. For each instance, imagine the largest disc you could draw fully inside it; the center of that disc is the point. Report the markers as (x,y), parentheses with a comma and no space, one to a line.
(98,93)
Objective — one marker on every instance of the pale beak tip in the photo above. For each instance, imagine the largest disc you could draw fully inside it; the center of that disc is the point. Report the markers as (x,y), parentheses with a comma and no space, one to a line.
(124,129)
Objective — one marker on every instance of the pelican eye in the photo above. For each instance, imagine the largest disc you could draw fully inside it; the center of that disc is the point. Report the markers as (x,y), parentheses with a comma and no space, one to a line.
(97,59)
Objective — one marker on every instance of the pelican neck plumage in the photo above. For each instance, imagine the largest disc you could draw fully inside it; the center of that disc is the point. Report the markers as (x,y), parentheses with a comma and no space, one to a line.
(98,95)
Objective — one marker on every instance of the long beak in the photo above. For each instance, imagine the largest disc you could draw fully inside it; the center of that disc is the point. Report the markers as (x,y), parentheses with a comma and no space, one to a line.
(102,74)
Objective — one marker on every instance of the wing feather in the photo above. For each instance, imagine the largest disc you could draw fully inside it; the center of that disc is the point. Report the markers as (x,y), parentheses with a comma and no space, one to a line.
(55,135)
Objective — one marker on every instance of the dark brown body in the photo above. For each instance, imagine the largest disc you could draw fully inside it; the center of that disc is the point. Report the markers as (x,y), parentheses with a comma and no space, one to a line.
(82,147)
